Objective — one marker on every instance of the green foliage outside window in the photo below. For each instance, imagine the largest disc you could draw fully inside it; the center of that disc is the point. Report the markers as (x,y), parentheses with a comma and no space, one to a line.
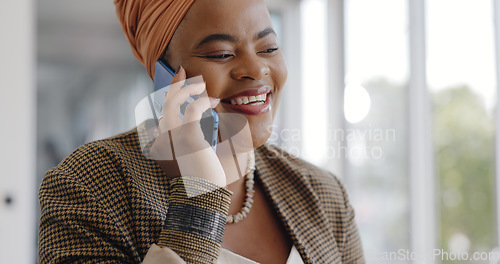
(464,154)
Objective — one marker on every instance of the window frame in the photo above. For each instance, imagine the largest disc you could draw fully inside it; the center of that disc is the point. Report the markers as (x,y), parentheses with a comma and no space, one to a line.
(423,209)
(496,28)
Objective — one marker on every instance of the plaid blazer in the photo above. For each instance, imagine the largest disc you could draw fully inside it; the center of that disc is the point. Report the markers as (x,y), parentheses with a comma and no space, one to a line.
(107,203)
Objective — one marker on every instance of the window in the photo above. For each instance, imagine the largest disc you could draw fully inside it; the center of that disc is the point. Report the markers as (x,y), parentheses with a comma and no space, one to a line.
(375,107)
(418,143)
(461,75)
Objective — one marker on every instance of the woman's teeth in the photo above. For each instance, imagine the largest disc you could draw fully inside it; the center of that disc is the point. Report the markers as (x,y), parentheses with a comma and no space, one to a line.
(254,100)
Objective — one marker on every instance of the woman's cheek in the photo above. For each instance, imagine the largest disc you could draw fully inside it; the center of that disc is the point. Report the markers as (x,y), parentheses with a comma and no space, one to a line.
(215,84)
(211,88)
(279,70)
(282,73)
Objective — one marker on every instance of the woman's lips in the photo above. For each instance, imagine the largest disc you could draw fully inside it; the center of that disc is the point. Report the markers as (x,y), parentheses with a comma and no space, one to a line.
(244,104)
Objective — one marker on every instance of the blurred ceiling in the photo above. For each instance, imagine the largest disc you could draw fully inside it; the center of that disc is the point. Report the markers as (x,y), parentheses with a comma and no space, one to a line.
(81,32)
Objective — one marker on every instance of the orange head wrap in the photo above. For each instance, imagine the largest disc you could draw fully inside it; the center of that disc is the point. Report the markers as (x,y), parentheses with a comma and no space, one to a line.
(149,26)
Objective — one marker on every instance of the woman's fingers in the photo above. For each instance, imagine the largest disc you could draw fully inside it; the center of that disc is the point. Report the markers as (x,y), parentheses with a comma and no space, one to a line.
(190,90)
(185,135)
(171,107)
(195,109)
(158,255)
(177,82)
(166,122)
(189,138)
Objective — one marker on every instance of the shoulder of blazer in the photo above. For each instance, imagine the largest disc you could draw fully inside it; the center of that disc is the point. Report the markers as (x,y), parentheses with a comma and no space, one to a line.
(311,201)
(118,153)
(124,184)
(328,186)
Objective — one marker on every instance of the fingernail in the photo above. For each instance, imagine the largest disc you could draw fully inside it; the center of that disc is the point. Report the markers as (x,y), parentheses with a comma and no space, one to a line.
(164,95)
(178,69)
(214,101)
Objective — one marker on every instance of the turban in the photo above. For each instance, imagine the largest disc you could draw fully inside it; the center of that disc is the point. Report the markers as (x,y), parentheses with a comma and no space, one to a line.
(149,26)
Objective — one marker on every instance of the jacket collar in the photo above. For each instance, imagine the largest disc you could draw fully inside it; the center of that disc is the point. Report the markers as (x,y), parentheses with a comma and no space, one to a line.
(287,186)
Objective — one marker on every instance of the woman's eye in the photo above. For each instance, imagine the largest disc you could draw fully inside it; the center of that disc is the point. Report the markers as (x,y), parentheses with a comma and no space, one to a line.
(219,56)
(269,50)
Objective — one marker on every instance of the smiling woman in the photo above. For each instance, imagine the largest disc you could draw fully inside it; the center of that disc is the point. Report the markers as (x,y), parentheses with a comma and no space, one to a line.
(109,203)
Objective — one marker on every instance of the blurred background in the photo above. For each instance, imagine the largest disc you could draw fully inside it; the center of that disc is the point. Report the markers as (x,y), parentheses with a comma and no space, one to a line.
(396,97)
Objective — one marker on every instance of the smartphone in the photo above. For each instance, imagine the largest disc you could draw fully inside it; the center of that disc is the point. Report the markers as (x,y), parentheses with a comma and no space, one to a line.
(163,78)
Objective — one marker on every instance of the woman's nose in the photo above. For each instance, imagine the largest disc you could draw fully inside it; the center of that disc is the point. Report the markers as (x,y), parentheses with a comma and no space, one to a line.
(250,67)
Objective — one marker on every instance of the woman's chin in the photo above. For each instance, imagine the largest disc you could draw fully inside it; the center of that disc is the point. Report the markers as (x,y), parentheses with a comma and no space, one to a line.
(260,133)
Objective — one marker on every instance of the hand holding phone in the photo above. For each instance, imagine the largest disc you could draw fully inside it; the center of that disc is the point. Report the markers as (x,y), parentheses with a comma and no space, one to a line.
(182,112)
(164,80)
(180,128)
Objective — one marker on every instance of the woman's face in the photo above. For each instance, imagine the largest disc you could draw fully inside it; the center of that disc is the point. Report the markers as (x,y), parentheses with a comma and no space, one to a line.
(232,44)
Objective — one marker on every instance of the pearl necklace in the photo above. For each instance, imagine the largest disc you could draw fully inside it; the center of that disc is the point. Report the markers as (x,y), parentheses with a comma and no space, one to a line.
(250,191)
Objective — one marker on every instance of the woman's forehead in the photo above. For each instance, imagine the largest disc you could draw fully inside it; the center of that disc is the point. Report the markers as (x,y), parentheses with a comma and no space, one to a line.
(237,17)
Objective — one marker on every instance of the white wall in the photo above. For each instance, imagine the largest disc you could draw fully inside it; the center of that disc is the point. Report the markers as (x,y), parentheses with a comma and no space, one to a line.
(18,128)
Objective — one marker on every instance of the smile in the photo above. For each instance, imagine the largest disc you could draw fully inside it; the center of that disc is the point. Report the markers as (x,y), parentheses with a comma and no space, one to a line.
(253,100)
(255,103)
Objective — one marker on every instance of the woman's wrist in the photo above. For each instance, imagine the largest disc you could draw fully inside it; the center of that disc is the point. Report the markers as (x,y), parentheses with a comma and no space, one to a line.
(203,164)
(196,219)
(200,192)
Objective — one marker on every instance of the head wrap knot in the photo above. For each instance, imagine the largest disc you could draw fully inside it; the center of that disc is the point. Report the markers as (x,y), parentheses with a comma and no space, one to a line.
(149,26)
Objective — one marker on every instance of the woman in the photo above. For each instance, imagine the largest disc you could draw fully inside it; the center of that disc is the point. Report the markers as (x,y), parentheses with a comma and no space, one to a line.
(108,203)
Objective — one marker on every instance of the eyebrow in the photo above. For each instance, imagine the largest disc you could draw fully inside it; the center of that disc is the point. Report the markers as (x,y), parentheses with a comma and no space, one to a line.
(216,37)
(230,38)
(264,33)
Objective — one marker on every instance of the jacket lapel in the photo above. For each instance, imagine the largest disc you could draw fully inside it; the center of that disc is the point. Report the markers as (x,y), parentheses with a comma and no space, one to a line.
(298,207)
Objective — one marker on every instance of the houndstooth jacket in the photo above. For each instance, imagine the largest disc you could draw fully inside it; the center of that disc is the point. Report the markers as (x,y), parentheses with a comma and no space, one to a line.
(107,203)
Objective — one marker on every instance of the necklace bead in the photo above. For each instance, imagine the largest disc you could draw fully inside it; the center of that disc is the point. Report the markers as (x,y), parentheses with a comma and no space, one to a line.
(249,183)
